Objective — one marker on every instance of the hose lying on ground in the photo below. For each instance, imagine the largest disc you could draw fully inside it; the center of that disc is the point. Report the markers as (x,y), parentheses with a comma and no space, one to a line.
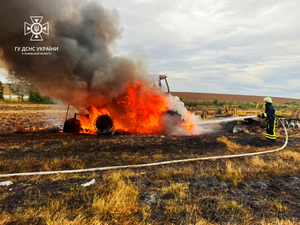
(152,164)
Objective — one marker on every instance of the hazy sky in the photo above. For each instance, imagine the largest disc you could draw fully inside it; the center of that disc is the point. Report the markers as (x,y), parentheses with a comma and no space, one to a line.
(245,47)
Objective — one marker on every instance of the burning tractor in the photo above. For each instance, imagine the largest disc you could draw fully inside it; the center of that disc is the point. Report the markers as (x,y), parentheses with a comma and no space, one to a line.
(141,110)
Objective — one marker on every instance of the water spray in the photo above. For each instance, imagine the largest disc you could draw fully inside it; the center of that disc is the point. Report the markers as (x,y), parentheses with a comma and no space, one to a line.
(225,120)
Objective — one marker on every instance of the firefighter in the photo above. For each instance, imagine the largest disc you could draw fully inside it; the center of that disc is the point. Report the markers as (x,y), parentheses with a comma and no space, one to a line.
(271,119)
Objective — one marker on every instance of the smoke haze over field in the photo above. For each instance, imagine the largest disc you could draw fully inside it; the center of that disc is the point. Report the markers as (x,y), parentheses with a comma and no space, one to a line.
(84,70)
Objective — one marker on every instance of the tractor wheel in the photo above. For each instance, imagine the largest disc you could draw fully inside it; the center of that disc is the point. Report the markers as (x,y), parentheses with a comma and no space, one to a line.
(232,124)
(229,126)
(104,124)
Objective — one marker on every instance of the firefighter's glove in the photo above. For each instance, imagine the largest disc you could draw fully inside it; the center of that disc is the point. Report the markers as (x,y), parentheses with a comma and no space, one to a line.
(259,116)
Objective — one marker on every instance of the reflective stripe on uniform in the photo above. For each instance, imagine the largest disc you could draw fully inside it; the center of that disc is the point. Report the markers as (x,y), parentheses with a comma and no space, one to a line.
(273,138)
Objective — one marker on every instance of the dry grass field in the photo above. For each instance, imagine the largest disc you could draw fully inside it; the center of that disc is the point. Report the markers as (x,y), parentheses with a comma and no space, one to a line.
(251,190)
(18,117)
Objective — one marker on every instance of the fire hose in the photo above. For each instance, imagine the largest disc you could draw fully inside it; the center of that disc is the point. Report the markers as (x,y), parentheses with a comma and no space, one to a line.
(156,163)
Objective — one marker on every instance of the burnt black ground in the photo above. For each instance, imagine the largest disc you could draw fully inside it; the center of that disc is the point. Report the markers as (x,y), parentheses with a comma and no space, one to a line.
(254,194)
(111,150)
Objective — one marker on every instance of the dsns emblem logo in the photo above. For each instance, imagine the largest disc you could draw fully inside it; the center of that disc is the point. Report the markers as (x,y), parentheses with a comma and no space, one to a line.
(36,28)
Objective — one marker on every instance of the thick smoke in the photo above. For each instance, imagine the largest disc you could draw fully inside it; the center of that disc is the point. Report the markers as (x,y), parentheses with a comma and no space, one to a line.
(84,71)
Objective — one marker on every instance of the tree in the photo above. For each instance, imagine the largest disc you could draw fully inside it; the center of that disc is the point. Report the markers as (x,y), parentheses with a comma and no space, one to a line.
(1,91)
(36,97)
(9,91)
(216,102)
(17,86)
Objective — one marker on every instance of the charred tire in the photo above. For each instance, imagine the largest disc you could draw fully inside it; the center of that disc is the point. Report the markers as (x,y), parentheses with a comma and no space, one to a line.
(229,126)
(72,126)
(232,125)
(104,124)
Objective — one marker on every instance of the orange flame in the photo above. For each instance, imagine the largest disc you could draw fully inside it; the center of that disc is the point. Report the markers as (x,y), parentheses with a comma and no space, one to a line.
(189,126)
(35,128)
(137,112)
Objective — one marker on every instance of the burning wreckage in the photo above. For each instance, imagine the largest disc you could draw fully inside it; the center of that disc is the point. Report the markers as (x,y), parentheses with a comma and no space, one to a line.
(106,89)
(145,108)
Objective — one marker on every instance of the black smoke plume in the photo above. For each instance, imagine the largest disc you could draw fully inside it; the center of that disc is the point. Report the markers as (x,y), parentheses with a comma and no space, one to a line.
(84,71)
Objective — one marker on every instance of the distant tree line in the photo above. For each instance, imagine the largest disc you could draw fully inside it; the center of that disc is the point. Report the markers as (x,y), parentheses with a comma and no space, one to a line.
(292,103)
(219,104)
(242,105)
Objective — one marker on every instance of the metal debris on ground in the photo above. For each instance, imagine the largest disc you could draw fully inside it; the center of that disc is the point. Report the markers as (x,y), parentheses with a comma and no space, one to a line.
(89,183)
(6,183)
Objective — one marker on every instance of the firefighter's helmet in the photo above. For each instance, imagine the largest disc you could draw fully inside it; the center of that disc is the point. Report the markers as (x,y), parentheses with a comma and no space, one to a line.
(268,99)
